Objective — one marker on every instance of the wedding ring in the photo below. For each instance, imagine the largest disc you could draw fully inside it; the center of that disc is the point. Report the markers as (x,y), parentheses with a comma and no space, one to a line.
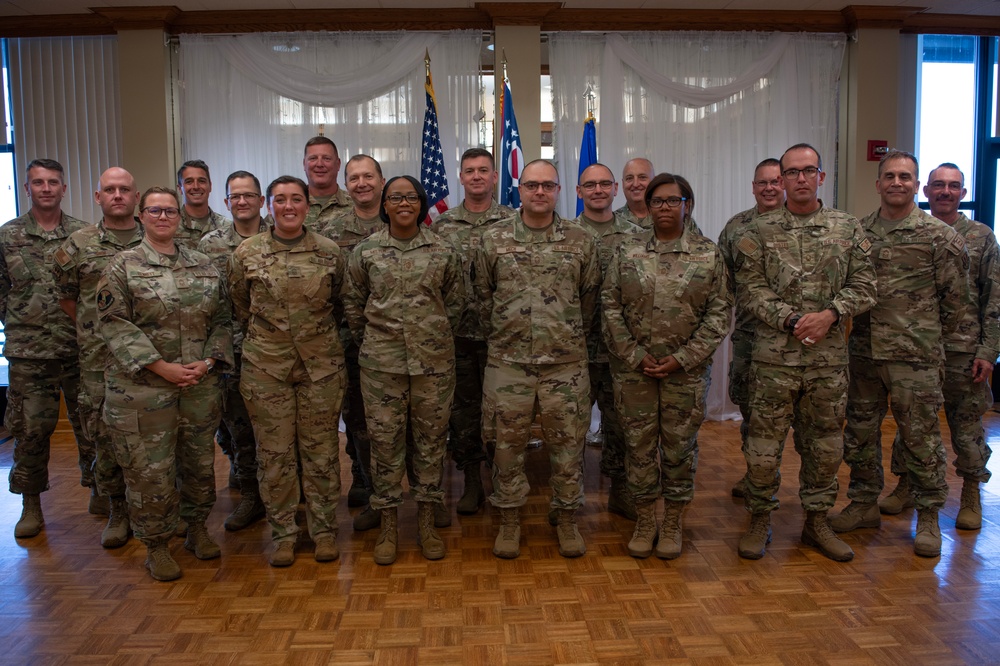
(809,341)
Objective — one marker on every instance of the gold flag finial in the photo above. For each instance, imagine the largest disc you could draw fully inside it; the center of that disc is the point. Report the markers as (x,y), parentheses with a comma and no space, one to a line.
(503,61)
(427,63)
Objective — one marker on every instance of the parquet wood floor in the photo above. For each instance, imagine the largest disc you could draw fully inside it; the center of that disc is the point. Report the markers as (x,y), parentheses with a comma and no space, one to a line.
(65,600)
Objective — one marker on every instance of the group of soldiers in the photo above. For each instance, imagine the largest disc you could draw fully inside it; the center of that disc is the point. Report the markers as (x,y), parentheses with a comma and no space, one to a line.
(918,289)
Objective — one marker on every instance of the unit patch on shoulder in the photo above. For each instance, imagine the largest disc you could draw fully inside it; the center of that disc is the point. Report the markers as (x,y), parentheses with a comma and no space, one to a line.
(62,257)
(865,246)
(747,246)
(104,299)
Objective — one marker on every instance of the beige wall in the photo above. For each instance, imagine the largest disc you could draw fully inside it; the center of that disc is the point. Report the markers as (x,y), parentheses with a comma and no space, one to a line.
(523,46)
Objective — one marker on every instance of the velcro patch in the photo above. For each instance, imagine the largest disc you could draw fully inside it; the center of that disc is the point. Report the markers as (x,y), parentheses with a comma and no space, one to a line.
(956,244)
(511,248)
(62,257)
(748,246)
(842,242)
(701,258)
(865,246)
(104,299)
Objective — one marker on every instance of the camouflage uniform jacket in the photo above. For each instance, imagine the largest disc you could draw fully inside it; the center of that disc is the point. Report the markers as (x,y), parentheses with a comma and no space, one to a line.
(794,265)
(538,293)
(403,301)
(152,308)
(665,298)
(609,238)
(731,234)
(463,229)
(346,229)
(922,268)
(320,214)
(284,298)
(219,245)
(979,331)
(77,271)
(647,222)
(190,230)
(35,326)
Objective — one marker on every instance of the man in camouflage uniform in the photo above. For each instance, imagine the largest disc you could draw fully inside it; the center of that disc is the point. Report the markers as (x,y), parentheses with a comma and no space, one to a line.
(348,227)
(537,278)
(244,200)
(321,162)
(41,342)
(462,225)
(635,177)
(897,355)
(597,188)
(769,192)
(77,270)
(804,270)
(197,218)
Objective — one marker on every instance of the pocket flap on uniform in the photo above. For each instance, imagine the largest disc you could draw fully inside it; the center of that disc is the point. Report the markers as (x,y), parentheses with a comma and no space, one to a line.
(121,419)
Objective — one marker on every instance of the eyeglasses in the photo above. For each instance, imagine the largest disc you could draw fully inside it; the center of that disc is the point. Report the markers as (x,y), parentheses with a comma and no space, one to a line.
(672,202)
(769,183)
(547,186)
(808,172)
(941,185)
(243,196)
(396,199)
(592,185)
(156,211)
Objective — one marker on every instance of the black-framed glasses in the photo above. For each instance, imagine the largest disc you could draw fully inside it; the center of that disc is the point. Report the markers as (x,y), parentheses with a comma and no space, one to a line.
(808,172)
(396,199)
(156,211)
(672,202)
(533,185)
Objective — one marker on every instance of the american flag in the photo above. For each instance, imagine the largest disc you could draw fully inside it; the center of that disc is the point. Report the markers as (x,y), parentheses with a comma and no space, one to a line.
(433,174)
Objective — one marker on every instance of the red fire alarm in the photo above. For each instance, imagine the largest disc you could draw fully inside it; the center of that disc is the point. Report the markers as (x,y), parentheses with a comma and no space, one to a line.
(876,149)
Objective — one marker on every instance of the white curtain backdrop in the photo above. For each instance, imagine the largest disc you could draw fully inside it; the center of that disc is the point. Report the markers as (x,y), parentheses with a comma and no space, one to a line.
(708,106)
(252,101)
(64,104)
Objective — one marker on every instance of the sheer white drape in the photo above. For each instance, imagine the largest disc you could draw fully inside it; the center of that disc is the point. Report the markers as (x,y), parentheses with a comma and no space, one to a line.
(708,106)
(64,103)
(252,101)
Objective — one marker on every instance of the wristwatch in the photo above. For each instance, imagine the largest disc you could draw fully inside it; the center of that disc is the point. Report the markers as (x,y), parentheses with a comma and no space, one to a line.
(793,321)
(210,362)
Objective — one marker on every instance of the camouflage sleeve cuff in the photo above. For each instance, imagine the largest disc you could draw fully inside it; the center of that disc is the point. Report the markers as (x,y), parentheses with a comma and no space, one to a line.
(635,358)
(987,354)
(784,312)
(682,357)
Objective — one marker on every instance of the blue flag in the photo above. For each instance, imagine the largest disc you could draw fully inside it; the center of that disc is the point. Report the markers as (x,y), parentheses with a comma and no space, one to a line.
(433,174)
(588,152)
(511,157)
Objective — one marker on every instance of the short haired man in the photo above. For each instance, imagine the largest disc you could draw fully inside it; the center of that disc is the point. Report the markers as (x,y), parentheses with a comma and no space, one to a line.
(897,353)
(768,190)
(636,175)
(197,217)
(348,227)
(804,270)
(321,162)
(462,225)
(537,277)
(597,188)
(41,344)
(77,269)
(244,201)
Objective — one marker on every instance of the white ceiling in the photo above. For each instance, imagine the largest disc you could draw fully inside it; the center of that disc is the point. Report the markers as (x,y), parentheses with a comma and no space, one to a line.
(41,7)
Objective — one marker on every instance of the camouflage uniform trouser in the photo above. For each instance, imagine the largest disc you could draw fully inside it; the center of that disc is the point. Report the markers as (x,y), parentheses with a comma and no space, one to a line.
(511,393)
(466,425)
(661,416)
(295,421)
(915,389)
(393,404)
(811,400)
(32,416)
(602,392)
(163,440)
(107,472)
(359,446)
(739,377)
(236,420)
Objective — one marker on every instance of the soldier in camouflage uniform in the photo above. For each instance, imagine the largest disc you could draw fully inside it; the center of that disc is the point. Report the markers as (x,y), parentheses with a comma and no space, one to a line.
(769,192)
(321,162)
(635,177)
(285,287)
(804,271)
(462,225)
(348,227)
(244,200)
(197,218)
(41,342)
(597,188)
(537,276)
(77,270)
(164,314)
(666,308)
(405,295)
(897,355)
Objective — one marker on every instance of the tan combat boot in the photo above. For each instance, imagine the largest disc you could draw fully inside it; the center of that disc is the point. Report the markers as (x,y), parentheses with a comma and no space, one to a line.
(817,533)
(970,515)
(508,541)
(753,544)
(249,510)
(900,498)
(442,516)
(282,554)
(31,521)
(200,543)
(669,546)
(570,542)
(98,504)
(855,516)
(385,545)
(620,500)
(927,542)
(160,564)
(428,539)
(326,548)
(115,534)
(739,489)
(473,497)
(644,536)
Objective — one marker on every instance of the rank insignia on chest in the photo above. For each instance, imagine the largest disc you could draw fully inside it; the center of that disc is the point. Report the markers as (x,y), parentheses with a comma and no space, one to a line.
(407,264)
(294,272)
(885,254)
(104,300)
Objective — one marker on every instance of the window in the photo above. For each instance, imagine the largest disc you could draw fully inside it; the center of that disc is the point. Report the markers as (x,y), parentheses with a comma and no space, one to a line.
(8,176)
